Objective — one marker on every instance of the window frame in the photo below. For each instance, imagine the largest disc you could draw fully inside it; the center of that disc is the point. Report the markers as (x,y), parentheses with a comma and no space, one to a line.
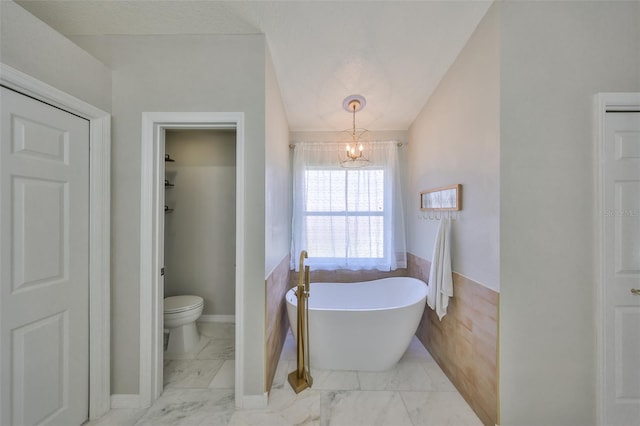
(347,261)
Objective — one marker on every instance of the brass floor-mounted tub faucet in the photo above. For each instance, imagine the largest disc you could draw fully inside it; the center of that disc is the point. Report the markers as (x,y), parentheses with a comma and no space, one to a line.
(300,379)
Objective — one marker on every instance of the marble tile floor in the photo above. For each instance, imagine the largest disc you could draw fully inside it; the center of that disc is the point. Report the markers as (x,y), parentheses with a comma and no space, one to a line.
(210,365)
(199,391)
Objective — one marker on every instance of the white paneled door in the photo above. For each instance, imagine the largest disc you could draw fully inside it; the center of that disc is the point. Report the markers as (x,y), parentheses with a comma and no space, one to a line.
(44,246)
(621,239)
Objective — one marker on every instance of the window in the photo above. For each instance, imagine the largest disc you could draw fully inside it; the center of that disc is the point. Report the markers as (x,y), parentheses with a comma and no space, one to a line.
(344,217)
(344,214)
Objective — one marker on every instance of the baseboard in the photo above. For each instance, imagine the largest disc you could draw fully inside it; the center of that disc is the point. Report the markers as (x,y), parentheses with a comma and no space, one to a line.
(125,401)
(254,402)
(217,318)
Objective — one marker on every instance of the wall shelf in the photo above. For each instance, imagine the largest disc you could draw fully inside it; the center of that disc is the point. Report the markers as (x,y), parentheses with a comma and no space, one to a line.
(167,184)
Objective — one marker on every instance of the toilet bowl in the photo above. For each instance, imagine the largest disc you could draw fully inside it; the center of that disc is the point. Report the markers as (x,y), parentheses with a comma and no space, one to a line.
(180,315)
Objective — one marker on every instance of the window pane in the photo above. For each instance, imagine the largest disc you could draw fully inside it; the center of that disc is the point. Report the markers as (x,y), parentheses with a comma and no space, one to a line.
(325,190)
(326,236)
(366,236)
(365,190)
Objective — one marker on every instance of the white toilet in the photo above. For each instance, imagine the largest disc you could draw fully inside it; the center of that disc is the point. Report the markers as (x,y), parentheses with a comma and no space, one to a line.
(180,315)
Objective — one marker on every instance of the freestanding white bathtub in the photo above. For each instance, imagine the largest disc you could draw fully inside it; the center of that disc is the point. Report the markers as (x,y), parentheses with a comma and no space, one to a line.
(361,326)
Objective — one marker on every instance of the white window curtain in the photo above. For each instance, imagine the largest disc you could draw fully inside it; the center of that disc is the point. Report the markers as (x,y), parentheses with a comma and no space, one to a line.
(347,218)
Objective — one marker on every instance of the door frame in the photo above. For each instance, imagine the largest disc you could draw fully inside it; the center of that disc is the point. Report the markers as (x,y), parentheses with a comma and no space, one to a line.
(99,226)
(151,207)
(604,102)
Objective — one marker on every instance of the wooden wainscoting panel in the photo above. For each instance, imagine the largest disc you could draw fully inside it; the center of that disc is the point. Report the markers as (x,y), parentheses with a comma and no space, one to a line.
(277,322)
(464,343)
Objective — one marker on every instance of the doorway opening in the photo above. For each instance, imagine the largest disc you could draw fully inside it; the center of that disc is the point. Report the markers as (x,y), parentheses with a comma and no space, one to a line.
(199,257)
(158,130)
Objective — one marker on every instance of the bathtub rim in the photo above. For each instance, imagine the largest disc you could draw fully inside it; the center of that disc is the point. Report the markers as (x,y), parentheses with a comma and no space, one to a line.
(294,301)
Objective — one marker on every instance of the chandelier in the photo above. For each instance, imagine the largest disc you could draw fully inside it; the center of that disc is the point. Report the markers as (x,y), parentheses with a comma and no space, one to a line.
(355,138)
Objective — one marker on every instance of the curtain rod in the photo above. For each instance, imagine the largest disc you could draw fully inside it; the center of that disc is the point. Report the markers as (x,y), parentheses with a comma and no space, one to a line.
(292,145)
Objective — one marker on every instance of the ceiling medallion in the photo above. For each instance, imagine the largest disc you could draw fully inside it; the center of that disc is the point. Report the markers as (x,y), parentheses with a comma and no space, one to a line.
(355,138)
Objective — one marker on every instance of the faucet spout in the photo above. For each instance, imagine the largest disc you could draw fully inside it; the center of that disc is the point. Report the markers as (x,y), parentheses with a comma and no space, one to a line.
(302,278)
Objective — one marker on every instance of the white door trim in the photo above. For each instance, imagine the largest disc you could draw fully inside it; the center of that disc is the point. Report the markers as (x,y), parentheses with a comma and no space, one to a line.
(99,231)
(151,337)
(604,102)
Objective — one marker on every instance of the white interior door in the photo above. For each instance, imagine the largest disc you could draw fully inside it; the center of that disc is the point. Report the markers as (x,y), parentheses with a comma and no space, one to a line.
(44,276)
(621,201)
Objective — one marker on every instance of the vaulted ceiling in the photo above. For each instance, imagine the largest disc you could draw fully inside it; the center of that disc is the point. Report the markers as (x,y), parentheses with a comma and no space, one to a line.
(392,52)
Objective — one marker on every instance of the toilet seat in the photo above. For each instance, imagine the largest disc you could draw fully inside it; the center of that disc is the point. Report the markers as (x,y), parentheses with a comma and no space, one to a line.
(177,304)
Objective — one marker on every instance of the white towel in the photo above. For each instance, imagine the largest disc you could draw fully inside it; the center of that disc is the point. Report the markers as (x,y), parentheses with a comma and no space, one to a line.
(440,279)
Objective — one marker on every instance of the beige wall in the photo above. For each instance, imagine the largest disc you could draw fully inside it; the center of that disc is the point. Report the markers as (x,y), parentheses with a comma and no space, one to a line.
(277,184)
(181,73)
(31,46)
(456,139)
(277,180)
(200,233)
(555,57)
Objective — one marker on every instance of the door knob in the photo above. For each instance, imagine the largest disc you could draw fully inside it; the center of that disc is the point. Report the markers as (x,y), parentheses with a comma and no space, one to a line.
(635,291)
